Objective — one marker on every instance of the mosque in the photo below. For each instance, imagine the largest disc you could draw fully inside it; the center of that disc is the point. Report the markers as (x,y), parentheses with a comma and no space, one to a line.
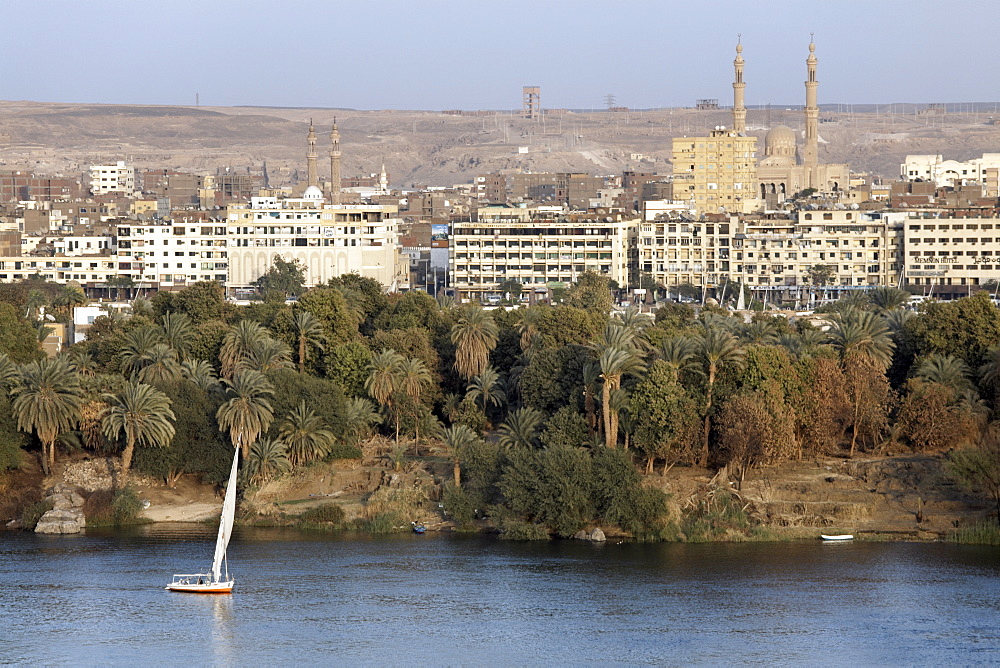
(784,170)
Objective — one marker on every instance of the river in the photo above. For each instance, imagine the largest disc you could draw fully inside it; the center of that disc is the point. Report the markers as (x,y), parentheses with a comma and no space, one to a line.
(306,599)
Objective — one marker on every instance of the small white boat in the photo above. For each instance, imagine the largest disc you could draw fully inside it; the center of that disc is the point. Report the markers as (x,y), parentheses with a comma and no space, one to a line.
(218,581)
(843,536)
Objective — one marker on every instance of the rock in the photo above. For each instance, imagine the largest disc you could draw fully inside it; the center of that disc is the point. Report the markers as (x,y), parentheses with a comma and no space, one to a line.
(14,524)
(581,535)
(61,521)
(597,535)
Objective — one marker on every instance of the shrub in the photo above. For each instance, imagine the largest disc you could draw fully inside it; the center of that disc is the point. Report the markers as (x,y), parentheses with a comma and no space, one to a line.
(32,513)
(344,451)
(515,529)
(459,506)
(126,506)
(117,509)
(327,516)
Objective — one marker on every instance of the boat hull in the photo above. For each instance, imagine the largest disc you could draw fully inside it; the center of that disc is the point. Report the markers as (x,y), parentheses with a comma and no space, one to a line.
(211,588)
(837,538)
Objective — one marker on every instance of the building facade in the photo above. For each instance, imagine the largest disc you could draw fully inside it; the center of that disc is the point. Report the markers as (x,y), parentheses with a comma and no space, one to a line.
(116,178)
(717,173)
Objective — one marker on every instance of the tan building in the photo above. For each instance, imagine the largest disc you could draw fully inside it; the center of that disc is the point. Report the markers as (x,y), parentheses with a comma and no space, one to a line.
(717,173)
(538,247)
(949,253)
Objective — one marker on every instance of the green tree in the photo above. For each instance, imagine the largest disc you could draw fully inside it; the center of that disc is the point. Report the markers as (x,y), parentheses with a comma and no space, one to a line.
(346,365)
(17,336)
(945,370)
(717,349)
(177,332)
(820,275)
(282,280)
(566,428)
(202,301)
(965,328)
(474,336)
(309,334)
(142,414)
(305,436)
(384,380)
(239,344)
(47,401)
(359,417)
(885,298)
(666,418)
(247,412)
(459,438)
(486,386)
(268,459)
(520,429)
(591,292)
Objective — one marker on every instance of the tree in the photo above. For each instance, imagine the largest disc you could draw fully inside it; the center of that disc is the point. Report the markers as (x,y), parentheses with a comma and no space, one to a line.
(309,333)
(458,438)
(346,365)
(17,336)
(47,402)
(965,328)
(614,362)
(142,414)
(755,429)
(177,332)
(474,336)
(384,380)
(160,365)
(717,349)
(486,386)
(359,416)
(666,418)
(305,436)
(268,458)
(566,427)
(930,420)
(886,298)
(137,349)
(591,292)
(977,469)
(338,320)
(269,355)
(413,379)
(821,274)
(511,287)
(945,370)
(823,407)
(520,429)
(282,280)
(247,413)
(69,295)
(201,374)
(239,344)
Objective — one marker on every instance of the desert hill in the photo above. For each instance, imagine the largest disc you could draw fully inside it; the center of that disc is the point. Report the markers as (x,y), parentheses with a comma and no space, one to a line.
(433,148)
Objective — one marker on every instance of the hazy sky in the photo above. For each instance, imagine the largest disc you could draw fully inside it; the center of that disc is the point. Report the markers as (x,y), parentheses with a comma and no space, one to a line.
(477,54)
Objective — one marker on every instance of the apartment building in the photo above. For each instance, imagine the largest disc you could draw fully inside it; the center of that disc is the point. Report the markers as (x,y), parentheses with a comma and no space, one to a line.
(118,178)
(538,247)
(717,173)
(770,251)
(172,254)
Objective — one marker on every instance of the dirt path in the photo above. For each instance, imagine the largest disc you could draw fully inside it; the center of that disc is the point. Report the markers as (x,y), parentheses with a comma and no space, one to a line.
(182,512)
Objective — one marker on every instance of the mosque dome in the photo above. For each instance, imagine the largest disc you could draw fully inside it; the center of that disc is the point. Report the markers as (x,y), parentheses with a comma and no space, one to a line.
(312,192)
(779,146)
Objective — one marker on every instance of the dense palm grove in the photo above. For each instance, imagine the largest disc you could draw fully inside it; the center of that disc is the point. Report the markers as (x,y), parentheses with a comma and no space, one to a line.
(550,413)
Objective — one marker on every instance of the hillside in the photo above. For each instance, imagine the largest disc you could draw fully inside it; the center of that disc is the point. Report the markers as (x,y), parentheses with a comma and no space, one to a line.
(431,148)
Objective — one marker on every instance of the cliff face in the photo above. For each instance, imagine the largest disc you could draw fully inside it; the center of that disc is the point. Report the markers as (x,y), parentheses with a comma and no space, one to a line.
(430,148)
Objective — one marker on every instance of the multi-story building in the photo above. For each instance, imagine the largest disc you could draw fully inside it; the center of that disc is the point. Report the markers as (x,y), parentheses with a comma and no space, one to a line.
(942,173)
(328,239)
(118,178)
(538,247)
(717,173)
(172,254)
(949,252)
(770,251)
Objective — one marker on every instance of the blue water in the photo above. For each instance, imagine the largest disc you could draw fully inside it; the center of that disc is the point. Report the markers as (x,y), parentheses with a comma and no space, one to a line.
(308,599)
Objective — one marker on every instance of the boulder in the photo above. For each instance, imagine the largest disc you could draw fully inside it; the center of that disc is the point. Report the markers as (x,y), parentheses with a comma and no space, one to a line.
(597,535)
(581,535)
(61,521)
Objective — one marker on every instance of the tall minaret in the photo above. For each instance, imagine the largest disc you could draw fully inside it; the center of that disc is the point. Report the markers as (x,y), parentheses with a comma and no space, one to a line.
(739,110)
(383,181)
(335,163)
(810,154)
(311,156)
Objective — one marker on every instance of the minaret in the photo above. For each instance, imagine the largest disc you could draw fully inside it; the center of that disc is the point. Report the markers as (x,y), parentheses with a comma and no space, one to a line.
(810,154)
(383,181)
(335,163)
(311,156)
(739,110)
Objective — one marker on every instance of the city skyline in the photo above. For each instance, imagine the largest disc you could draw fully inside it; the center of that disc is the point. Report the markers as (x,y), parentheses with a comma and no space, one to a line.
(456,55)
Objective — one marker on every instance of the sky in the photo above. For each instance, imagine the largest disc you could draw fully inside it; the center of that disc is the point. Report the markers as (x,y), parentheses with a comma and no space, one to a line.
(477,54)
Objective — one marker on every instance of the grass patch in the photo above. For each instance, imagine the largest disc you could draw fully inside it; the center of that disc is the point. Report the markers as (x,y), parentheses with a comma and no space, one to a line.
(391,509)
(984,532)
(383,522)
(33,512)
(722,518)
(326,517)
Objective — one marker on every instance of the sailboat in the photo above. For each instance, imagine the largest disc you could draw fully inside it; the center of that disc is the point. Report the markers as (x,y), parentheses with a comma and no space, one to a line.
(216,582)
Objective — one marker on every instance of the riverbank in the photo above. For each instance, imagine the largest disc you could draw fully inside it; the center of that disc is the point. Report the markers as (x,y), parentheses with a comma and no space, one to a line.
(902,497)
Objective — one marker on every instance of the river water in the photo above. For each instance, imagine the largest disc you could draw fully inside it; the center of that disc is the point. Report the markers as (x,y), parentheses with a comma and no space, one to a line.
(307,599)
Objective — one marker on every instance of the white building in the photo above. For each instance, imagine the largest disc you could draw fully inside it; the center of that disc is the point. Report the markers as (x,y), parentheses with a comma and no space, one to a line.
(945,173)
(112,178)
(327,239)
(172,254)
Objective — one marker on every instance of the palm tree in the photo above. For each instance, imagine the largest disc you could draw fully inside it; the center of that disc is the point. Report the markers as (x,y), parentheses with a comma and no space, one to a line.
(861,339)
(527,327)
(634,319)
(946,370)
(247,413)
(200,373)
(459,438)
(268,457)
(474,336)
(82,361)
(445,302)
(69,296)
(47,401)
(269,355)
(614,363)
(896,320)
(305,435)
(717,349)
(591,374)
(136,349)
(142,307)
(680,352)
(520,429)
(383,380)
(885,298)
(160,365)
(8,373)
(35,302)
(413,377)
(359,415)
(309,332)
(989,372)
(238,345)
(760,332)
(178,332)
(142,413)
(486,386)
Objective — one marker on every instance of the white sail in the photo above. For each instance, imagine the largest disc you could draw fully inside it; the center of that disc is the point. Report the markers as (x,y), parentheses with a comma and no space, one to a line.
(741,300)
(226,521)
